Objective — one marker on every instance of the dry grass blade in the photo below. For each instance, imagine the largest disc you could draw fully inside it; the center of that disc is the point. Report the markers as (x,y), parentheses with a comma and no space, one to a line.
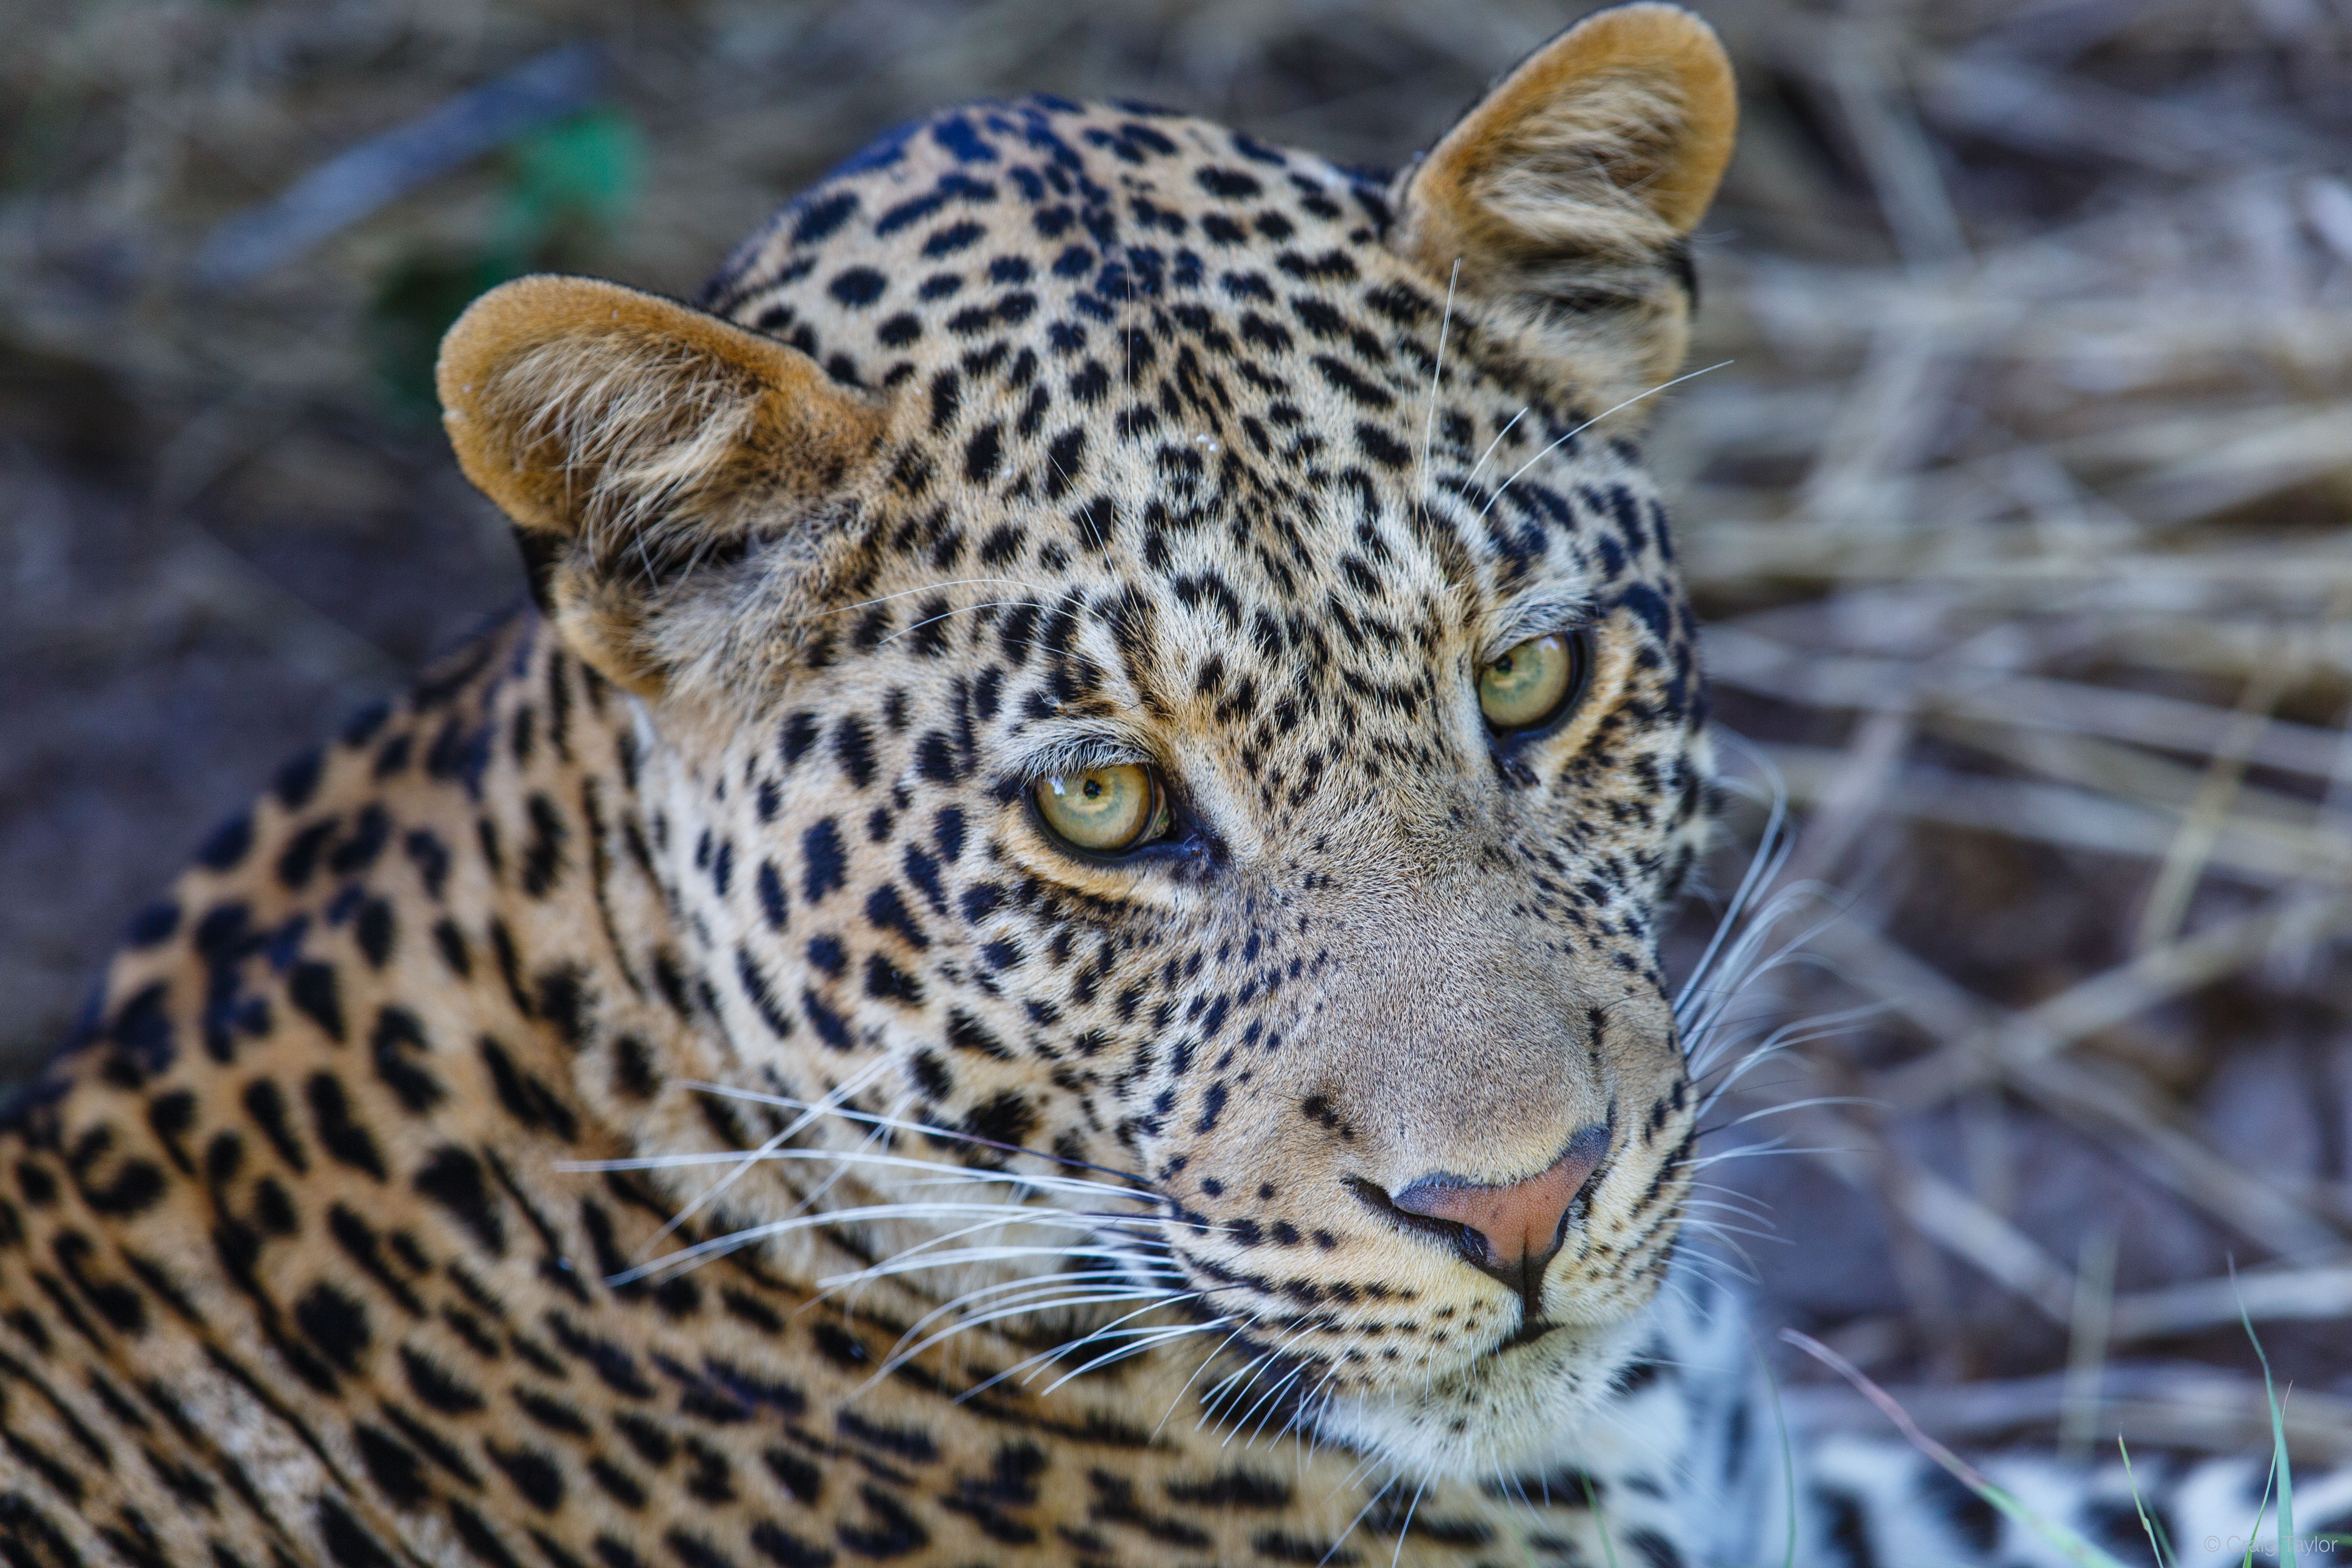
(2185,859)
(1942,1212)
(2106,999)
(1745,659)
(2099,1099)
(2319,1295)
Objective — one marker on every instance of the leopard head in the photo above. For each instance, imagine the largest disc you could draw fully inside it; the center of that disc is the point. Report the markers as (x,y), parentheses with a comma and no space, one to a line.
(1156,653)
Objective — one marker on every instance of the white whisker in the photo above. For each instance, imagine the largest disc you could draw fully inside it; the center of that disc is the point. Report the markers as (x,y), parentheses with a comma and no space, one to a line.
(712,1194)
(1188,1381)
(1800,1105)
(1718,1227)
(1406,1527)
(1210,1400)
(919,1256)
(1772,851)
(1715,1038)
(1589,424)
(1746,960)
(1255,1367)
(1771,1148)
(939,1175)
(960,609)
(1802,1031)
(719,1246)
(1107,1280)
(1147,1339)
(926,588)
(1141,1190)
(1107,1330)
(1272,1409)
(1151,1300)
(968,1255)
(1764,1220)
(1036,1294)
(1497,441)
(1429,417)
(1341,1538)
(1732,1198)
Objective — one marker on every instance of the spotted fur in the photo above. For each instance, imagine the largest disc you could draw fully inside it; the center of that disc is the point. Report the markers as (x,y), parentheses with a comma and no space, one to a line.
(356,1228)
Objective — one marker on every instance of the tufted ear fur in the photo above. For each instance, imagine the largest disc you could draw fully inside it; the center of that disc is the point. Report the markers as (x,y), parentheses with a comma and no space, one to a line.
(638,446)
(1568,193)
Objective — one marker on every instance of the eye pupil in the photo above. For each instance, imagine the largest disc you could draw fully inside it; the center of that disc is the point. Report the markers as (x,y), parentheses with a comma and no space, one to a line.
(1532,684)
(1102,811)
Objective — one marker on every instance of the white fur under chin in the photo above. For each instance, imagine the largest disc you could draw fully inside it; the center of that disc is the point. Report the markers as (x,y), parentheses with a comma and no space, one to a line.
(1680,1449)
(1565,1405)
(1519,1410)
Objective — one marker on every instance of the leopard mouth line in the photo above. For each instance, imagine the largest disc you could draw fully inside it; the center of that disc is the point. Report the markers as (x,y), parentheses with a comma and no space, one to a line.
(1529,1332)
(1507,1359)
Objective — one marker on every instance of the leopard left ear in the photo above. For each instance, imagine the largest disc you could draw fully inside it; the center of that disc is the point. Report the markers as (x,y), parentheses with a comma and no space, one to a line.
(648,455)
(1568,192)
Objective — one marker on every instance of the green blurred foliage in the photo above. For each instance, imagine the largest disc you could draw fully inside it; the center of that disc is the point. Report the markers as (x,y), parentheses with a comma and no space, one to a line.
(561,187)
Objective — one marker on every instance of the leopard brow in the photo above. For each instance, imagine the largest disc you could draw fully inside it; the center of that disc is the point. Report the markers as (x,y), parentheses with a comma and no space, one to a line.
(1535,615)
(1065,749)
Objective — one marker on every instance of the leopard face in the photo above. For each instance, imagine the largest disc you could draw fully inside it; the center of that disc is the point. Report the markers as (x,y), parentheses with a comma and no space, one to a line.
(1050,459)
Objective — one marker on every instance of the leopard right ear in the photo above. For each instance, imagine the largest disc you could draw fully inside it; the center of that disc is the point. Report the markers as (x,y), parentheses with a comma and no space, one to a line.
(639,448)
(1568,193)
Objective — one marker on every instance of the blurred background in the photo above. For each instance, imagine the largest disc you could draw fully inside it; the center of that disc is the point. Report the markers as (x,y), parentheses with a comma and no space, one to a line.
(2018,516)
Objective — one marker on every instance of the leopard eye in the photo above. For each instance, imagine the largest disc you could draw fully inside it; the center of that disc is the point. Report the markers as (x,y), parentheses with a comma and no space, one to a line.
(1533,683)
(1103,811)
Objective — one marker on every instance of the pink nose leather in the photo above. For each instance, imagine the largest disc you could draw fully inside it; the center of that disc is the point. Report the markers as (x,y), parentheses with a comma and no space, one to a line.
(1518,1220)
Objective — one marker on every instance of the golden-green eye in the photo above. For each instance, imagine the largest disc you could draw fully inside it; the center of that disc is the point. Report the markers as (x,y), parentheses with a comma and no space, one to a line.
(1529,684)
(1104,811)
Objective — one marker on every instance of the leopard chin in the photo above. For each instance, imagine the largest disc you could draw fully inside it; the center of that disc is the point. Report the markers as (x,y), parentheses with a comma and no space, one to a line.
(1521,1408)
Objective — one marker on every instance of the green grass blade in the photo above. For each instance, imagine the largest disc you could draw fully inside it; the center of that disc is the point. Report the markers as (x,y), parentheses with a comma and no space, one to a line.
(2280,1467)
(2081,1552)
(2145,1523)
(1788,1464)
(1592,1501)
(2254,1531)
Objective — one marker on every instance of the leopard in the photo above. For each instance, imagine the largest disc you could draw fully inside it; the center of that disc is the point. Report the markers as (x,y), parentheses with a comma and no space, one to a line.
(1041,946)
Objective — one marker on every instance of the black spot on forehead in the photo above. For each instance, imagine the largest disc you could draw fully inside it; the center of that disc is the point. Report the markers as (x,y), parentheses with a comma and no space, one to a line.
(1045,168)
(1261,438)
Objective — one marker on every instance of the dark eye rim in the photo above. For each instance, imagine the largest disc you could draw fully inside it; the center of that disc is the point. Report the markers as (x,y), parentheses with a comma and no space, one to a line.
(1579,650)
(1163,804)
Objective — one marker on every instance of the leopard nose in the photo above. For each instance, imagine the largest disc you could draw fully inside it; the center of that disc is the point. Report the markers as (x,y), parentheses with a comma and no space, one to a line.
(1521,1223)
